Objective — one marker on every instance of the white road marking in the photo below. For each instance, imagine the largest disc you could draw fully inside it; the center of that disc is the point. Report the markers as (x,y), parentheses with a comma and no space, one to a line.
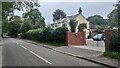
(23,47)
(41,57)
(16,42)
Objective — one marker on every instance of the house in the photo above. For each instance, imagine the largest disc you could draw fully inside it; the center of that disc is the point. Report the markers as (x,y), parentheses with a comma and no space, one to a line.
(65,22)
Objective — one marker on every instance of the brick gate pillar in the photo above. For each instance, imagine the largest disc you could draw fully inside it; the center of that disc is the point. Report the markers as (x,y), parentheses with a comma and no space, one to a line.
(108,34)
(78,38)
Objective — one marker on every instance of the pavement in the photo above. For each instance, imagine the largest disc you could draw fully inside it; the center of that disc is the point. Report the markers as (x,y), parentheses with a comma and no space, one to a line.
(17,52)
(89,53)
(95,48)
(92,45)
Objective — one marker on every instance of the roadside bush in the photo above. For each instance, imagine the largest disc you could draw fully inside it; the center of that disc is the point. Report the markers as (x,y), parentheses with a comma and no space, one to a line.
(59,35)
(114,55)
(46,35)
(99,29)
(81,27)
(34,34)
(73,23)
(115,42)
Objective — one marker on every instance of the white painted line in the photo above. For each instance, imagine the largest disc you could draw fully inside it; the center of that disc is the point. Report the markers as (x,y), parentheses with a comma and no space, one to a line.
(41,57)
(16,43)
(23,47)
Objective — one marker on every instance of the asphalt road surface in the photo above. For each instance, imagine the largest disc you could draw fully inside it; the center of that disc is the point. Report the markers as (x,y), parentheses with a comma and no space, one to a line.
(19,53)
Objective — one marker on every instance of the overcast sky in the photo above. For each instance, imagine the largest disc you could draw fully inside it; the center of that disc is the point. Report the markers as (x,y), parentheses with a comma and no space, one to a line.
(71,8)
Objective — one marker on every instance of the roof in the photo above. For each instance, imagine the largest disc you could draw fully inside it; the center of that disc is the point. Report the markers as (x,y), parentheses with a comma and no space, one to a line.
(83,19)
(67,18)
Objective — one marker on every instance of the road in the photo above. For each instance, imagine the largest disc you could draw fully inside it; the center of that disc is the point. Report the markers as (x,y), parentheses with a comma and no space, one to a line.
(19,53)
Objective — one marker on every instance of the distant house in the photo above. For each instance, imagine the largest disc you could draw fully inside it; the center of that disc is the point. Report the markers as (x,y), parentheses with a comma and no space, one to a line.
(78,17)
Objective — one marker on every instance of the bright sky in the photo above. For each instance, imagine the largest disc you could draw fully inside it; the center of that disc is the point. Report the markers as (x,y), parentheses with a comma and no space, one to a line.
(71,8)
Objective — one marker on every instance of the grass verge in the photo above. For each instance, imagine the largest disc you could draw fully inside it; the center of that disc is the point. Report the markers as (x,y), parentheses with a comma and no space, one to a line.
(56,44)
(114,55)
(51,43)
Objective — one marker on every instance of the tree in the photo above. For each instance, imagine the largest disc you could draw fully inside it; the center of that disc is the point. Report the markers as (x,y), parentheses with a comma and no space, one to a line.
(81,27)
(99,29)
(35,18)
(5,13)
(25,26)
(97,20)
(113,16)
(73,23)
(115,39)
(14,26)
(58,14)
(17,19)
(9,7)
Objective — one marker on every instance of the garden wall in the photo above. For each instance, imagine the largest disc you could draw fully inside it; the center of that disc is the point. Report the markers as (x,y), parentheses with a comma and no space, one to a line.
(78,38)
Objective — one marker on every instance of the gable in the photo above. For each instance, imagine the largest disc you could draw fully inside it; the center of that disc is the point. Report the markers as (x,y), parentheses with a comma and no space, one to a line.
(81,19)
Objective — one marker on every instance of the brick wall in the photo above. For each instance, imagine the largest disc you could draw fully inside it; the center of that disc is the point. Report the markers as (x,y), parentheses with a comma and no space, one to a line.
(108,34)
(78,38)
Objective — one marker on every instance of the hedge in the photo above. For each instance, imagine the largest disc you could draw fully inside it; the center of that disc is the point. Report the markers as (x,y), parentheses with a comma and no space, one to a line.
(47,35)
(115,42)
(59,35)
(33,34)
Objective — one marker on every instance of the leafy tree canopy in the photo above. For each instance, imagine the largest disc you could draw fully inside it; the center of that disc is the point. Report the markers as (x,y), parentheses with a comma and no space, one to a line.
(73,23)
(35,18)
(17,19)
(8,10)
(58,14)
(25,26)
(96,20)
(9,7)
(14,26)
(113,16)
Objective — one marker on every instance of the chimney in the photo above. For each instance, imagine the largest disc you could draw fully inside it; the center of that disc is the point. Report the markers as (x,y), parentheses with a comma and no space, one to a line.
(79,11)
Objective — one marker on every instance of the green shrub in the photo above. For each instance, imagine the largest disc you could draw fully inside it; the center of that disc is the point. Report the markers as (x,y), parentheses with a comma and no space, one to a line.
(99,29)
(46,35)
(114,55)
(59,35)
(81,27)
(33,34)
(115,42)
(73,23)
